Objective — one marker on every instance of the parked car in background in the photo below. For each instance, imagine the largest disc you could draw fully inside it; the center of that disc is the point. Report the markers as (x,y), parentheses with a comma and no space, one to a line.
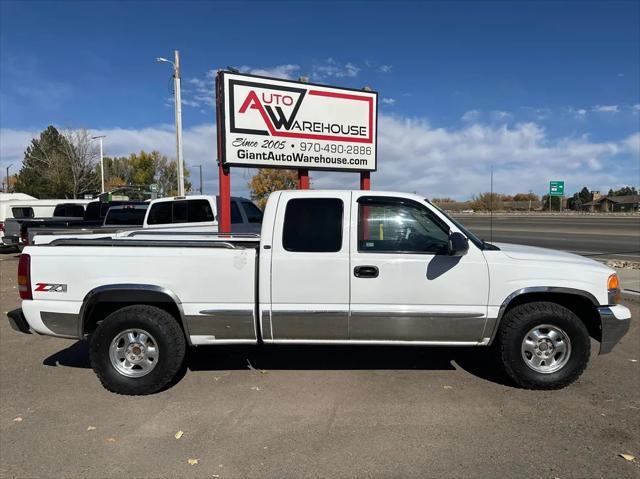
(94,217)
(16,208)
(184,213)
(201,211)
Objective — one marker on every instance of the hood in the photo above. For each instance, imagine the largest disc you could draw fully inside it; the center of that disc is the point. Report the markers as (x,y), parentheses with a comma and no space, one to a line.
(534,253)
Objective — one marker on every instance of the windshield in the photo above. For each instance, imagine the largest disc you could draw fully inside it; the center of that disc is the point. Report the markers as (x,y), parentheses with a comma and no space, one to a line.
(474,239)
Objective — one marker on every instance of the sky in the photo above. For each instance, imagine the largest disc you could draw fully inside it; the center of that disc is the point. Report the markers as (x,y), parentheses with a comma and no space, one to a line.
(537,91)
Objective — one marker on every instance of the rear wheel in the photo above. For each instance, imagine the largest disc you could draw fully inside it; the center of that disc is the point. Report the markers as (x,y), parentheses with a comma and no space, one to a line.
(543,345)
(137,350)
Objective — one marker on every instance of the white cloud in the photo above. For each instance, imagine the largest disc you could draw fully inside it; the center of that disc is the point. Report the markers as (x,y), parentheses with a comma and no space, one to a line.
(500,116)
(331,68)
(388,101)
(286,72)
(385,68)
(412,156)
(471,115)
(580,112)
(606,108)
(201,91)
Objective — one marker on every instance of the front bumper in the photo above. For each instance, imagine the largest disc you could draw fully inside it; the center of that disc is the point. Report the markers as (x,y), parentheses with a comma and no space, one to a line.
(18,321)
(615,321)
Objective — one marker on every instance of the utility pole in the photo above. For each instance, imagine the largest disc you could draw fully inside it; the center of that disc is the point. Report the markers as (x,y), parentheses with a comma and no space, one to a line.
(178,111)
(101,160)
(200,167)
(8,183)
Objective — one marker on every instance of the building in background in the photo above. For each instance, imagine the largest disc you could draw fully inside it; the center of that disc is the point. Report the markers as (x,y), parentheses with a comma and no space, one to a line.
(612,204)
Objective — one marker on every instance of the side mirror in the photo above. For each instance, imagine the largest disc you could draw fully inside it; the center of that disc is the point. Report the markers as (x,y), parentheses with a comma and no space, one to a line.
(458,244)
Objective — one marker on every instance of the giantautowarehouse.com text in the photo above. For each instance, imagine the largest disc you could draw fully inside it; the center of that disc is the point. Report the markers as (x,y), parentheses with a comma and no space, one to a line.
(300,158)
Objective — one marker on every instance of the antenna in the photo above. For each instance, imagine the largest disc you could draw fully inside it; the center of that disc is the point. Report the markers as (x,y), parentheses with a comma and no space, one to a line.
(491,209)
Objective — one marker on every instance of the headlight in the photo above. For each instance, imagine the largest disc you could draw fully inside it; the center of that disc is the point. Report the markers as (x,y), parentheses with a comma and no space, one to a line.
(613,288)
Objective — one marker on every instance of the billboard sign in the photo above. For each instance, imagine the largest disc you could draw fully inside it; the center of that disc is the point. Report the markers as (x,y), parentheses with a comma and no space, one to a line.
(270,123)
(556,188)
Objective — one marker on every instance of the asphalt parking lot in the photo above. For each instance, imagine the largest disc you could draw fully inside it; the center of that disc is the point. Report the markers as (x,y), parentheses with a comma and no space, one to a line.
(312,412)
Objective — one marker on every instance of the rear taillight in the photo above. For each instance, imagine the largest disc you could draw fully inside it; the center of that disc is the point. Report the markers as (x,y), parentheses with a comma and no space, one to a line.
(1,227)
(24,276)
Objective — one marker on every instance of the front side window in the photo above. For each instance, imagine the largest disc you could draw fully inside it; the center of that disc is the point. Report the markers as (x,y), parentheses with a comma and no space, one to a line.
(313,225)
(390,226)
(236,216)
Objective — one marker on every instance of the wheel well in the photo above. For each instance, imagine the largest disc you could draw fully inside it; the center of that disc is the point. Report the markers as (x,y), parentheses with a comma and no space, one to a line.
(101,305)
(581,306)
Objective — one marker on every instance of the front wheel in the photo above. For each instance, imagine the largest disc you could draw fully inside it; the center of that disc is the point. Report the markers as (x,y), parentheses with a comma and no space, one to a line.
(543,345)
(137,350)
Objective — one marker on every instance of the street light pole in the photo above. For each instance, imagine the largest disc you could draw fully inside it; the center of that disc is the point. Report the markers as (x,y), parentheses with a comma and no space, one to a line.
(8,184)
(178,112)
(200,167)
(176,79)
(101,160)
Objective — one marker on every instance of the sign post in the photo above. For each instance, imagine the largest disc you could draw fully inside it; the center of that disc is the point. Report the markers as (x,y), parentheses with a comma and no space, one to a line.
(272,123)
(556,188)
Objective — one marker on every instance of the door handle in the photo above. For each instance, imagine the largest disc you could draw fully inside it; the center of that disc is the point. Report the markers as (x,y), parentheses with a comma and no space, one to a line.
(365,271)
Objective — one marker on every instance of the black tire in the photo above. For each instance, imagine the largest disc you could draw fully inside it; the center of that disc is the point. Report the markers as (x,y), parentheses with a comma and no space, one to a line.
(518,321)
(168,335)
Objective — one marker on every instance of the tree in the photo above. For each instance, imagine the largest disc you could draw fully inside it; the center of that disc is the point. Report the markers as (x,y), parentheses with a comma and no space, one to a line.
(144,169)
(574,203)
(584,195)
(43,173)
(526,197)
(80,158)
(487,202)
(624,191)
(268,180)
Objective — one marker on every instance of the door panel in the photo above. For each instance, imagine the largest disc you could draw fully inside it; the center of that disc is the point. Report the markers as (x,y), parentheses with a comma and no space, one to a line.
(310,268)
(420,293)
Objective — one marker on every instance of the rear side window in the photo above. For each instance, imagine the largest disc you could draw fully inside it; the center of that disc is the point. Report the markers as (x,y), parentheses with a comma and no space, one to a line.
(125,216)
(188,211)
(20,212)
(69,210)
(160,213)
(313,225)
(199,211)
(179,212)
(254,215)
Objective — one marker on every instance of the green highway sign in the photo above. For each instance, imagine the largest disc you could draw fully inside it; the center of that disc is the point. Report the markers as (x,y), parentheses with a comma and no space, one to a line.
(556,188)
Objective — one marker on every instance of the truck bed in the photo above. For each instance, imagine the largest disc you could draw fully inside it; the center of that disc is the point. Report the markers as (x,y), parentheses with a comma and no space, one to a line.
(211,277)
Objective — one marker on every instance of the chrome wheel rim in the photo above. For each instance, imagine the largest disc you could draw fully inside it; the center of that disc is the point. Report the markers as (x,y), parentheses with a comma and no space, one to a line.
(546,348)
(134,353)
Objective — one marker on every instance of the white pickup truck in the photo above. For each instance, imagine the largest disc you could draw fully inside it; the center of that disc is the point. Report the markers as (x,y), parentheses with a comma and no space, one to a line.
(337,267)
